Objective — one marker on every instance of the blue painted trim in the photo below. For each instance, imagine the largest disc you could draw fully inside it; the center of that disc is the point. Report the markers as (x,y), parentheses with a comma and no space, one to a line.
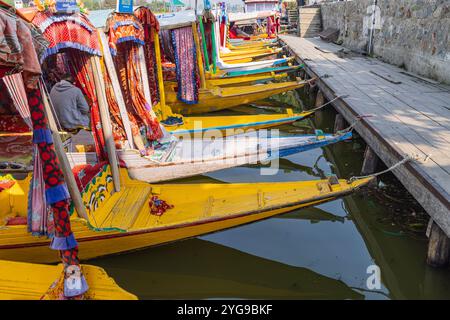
(306,147)
(42,135)
(63,243)
(68,45)
(296,118)
(56,193)
(232,74)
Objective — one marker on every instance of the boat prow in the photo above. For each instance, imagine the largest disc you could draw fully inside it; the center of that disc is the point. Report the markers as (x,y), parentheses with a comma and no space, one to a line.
(28,281)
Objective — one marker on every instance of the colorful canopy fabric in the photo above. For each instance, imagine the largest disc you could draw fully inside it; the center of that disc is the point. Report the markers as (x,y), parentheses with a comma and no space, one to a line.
(151,28)
(37,208)
(27,97)
(123,28)
(67,31)
(125,36)
(17,51)
(186,65)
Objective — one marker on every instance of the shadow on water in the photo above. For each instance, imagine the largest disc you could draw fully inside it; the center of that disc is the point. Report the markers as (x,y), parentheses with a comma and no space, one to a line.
(199,269)
(318,252)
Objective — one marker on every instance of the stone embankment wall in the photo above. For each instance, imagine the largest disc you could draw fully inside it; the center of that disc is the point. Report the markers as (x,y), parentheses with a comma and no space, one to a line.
(413,34)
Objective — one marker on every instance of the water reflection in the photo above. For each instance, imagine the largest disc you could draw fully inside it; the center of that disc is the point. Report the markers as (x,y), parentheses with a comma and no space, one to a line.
(319,252)
(198,269)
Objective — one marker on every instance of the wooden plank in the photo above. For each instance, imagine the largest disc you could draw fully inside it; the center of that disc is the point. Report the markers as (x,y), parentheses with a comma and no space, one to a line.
(416,126)
(357,81)
(116,86)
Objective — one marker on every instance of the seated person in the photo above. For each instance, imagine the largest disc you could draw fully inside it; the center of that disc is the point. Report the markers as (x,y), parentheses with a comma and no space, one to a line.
(236,32)
(70,105)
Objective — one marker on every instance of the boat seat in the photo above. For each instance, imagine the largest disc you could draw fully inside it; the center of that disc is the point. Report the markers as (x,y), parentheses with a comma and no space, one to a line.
(126,208)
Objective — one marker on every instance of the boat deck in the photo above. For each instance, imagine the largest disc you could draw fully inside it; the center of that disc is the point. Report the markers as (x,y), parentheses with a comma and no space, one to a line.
(411,116)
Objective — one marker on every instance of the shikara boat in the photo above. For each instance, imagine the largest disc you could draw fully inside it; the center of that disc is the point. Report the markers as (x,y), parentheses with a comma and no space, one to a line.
(233,57)
(191,124)
(220,98)
(164,110)
(244,66)
(29,153)
(191,157)
(30,281)
(188,157)
(141,215)
(211,98)
(232,125)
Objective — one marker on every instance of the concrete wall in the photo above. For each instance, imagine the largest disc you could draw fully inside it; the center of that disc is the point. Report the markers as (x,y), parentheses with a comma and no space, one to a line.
(413,34)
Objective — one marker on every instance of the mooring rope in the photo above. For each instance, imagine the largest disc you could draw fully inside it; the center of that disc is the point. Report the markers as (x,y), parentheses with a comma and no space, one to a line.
(405,159)
(325,104)
(351,126)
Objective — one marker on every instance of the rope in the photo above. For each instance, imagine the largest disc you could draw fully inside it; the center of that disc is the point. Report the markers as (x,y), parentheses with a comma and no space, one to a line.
(351,126)
(325,104)
(396,165)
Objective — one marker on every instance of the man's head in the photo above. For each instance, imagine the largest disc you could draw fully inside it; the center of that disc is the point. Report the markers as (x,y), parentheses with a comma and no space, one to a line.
(68,77)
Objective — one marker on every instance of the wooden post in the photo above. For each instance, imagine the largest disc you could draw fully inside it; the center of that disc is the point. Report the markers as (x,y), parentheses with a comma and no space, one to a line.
(438,247)
(199,56)
(370,162)
(339,123)
(317,96)
(106,121)
(111,69)
(165,110)
(62,157)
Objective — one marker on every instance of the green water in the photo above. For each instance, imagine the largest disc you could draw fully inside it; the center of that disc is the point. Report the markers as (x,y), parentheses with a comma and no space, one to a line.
(321,252)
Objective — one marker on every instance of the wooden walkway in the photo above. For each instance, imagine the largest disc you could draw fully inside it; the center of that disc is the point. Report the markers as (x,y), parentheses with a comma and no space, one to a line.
(411,116)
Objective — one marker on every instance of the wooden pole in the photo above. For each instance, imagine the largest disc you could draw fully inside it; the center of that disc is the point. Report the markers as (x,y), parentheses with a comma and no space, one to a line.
(111,69)
(205,50)
(62,157)
(199,56)
(106,121)
(162,95)
(370,162)
(144,75)
(339,123)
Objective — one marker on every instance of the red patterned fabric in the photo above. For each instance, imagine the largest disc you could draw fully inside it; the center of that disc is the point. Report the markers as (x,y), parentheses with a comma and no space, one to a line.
(81,69)
(116,119)
(151,28)
(13,123)
(123,28)
(67,31)
(53,176)
(84,173)
(133,92)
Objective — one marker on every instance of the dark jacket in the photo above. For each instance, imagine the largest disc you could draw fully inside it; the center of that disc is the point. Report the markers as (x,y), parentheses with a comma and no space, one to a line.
(70,105)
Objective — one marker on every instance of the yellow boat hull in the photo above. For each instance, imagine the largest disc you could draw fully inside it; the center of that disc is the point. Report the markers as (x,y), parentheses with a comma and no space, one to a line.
(232,125)
(27,281)
(250,51)
(122,222)
(242,58)
(221,98)
(212,82)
